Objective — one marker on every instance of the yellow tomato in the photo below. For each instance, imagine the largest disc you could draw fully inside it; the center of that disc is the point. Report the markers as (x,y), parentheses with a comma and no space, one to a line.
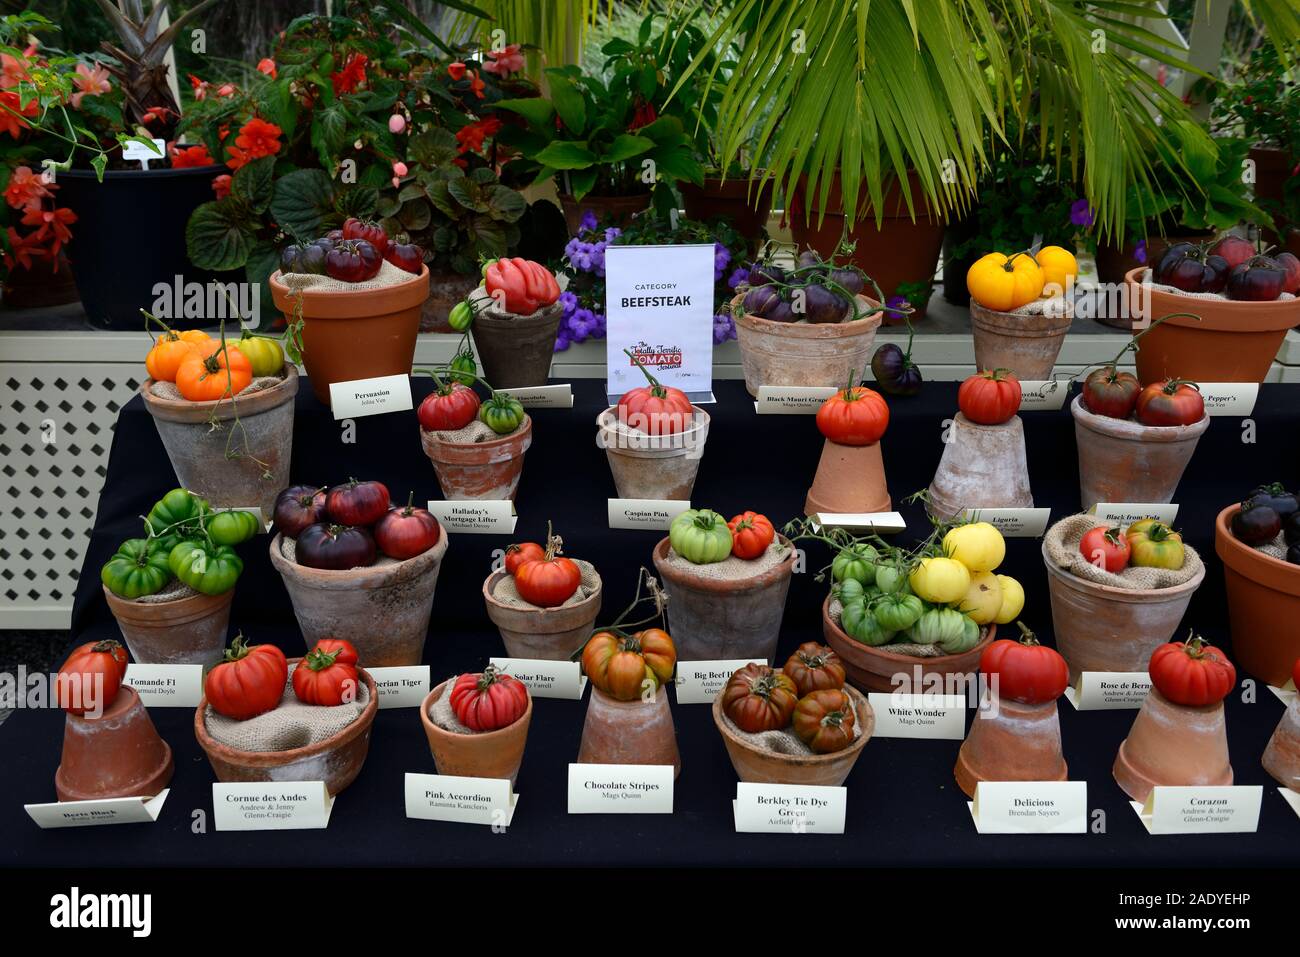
(1003,284)
(1013,600)
(1059,267)
(940,581)
(979,546)
(983,599)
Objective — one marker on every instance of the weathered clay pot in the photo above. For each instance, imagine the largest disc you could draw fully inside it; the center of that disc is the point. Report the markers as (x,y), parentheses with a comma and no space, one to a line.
(712,620)
(743,202)
(517,352)
(1027,345)
(1011,742)
(850,479)
(804,353)
(492,754)
(820,770)
(479,470)
(116,755)
(1173,745)
(983,466)
(383,609)
(551,634)
(445,290)
(1282,756)
(1101,628)
(337,760)
(656,467)
(1121,460)
(188,631)
(354,335)
(609,210)
(198,453)
(629,732)
(1263,605)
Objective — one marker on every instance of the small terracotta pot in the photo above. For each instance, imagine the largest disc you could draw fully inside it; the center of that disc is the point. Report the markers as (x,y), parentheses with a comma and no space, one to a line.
(629,732)
(470,471)
(1014,742)
(116,755)
(1102,628)
(198,453)
(804,353)
(1231,342)
(445,290)
(659,467)
(188,631)
(1173,745)
(1282,756)
(874,669)
(383,610)
(516,352)
(819,770)
(1027,345)
(609,210)
(551,634)
(850,479)
(983,466)
(355,335)
(743,201)
(713,620)
(1263,605)
(1121,460)
(337,760)
(491,754)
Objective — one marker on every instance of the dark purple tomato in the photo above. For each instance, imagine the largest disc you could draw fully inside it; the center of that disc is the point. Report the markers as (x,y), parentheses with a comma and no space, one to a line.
(297,507)
(821,305)
(1256,524)
(1276,497)
(1291,529)
(1256,283)
(850,279)
(1214,274)
(357,503)
(895,372)
(335,547)
(760,300)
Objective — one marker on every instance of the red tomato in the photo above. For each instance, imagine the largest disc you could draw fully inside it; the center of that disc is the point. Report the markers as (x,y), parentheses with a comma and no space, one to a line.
(488,701)
(1192,672)
(1026,671)
(824,720)
(854,416)
(372,233)
(550,580)
(407,531)
(248,682)
(1106,548)
(520,286)
(654,409)
(1109,392)
(95,662)
(322,679)
(814,667)
(343,650)
(1170,402)
(751,533)
(451,407)
(989,398)
(758,698)
(357,503)
(522,552)
(625,666)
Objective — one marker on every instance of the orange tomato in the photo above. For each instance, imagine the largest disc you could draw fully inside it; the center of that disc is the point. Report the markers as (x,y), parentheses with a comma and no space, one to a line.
(213,372)
(169,350)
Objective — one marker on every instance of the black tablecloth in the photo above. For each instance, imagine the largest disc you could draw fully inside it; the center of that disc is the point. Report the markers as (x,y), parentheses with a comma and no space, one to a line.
(904,806)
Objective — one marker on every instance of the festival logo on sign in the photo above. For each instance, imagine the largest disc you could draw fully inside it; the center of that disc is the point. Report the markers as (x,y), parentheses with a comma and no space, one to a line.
(656,356)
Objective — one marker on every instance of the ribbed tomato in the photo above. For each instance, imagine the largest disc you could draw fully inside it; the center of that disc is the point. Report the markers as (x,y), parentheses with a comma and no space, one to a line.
(488,701)
(1026,671)
(248,682)
(654,409)
(854,416)
(322,679)
(751,533)
(1192,672)
(1109,392)
(814,667)
(758,698)
(1170,402)
(357,503)
(95,662)
(824,720)
(211,372)
(627,666)
(450,407)
(990,397)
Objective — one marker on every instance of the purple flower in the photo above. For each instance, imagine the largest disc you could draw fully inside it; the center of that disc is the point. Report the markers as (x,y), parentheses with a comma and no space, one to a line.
(569,301)
(1081,213)
(1140,251)
(612,233)
(571,248)
(721,259)
(724,328)
(561,340)
(897,306)
(598,330)
(582,256)
(581,324)
(738,277)
(588,220)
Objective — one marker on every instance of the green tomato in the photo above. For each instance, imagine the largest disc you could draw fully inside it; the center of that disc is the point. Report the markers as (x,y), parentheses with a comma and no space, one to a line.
(898,612)
(849,591)
(463,368)
(502,413)
(231,528)
(700,536)
(891,579)
(856,562)
(860,624)
(943,627)
(461,315)
(138,567)
(207,569)
(176,513)
(263,354)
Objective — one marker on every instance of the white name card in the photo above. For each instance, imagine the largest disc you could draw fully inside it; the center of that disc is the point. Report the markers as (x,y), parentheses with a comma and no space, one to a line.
(789,809)
(1109,690)
(699,682)
(1043,394)
(270,805)
(358,397)
(546,679)
(1230,398)
(872,521)
(128,810)
(1292,798)
(476,517)
(791,399)
(1126,513)
(1233,809)
(401,687)
(918,715)
(645,513)
(446,797)
(166,686)
(1286,694)
(1013,522)
(543,396)
(135,151)
(620,789)
(1030,807)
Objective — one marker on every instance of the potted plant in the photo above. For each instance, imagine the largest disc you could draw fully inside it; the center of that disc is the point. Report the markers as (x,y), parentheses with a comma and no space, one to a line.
(1019,312)
(516,314)
(477,448)
(477,724)
(1282,755)
(851,472)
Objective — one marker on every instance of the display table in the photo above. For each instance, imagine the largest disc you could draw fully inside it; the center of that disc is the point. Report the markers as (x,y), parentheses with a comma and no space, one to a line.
(904,806)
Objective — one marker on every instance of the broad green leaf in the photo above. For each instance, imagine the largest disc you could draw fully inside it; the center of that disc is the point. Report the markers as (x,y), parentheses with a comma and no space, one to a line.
(252,183)
(301,201)
(534,109)
(625,146)
(565,154)
(219,236)
(570,104)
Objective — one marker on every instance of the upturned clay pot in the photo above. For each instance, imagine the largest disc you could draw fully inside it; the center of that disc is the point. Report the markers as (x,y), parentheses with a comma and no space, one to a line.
(804,353)
(337,760)
(383,609)
(879,669)
(983,466)
(713,619)
(116,755)
(188,631)
(1027,345)
(198,452)
(656,467)
(551,634)
(741,201)
(1101,628)
(850,479)
(1282,756)
(609,210)
(354,335)
(1263,605)
(517,351)
(820,770)
(1125,461)
(629,732)
(491,754)
(445,290)
(470,471)
(1173,745)
(1011,741)
(1231,341)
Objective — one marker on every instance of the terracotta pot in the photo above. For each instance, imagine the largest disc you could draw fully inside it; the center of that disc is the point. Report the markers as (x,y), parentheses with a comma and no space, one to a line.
(656,467)
(629,732)
(820,770)
(337,760)
(609,210)
(849,479)
(1012,742)
(491,754)
(983,466)
(1263,605)
(355,335)
(1231,342)
(1121,460)
(517,352)
(804,353)
(712,620)
(116,755)
(198,453)
(1173,745)
(743,202)
(1282,756)
(383,609)
(188,631)
(875,669)
(40,286)
(471,471)
(445,290)
(1027,345)
(1102,628)
(551,634)
(1272,170)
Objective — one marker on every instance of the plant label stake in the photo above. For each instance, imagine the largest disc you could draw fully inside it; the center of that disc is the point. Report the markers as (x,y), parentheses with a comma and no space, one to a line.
(135,150)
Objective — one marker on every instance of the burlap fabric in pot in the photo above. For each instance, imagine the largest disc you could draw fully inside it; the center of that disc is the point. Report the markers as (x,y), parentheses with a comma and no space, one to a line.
(507,594)
(1061,544)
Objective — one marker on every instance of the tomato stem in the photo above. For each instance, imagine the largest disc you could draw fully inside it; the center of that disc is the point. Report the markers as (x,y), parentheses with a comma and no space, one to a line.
(656,387)
(1027,637)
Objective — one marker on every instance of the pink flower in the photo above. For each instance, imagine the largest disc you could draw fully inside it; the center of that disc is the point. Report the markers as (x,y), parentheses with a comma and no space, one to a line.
(12,71)
(89,82)
(504,61)
(221,185)
(200,87)
(267,66)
